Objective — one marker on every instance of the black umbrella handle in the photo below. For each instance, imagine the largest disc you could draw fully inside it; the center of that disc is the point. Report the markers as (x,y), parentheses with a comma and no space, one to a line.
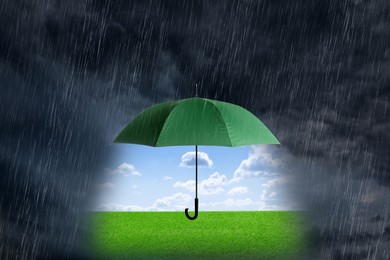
(196,211)
(196,188)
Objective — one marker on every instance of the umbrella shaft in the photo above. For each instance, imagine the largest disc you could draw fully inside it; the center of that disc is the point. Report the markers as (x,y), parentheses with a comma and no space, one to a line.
(196,171)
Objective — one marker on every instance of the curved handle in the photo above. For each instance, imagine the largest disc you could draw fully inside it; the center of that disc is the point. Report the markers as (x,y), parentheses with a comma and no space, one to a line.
(196,211)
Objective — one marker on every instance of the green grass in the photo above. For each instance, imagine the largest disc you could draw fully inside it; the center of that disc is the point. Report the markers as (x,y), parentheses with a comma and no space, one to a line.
(214,235)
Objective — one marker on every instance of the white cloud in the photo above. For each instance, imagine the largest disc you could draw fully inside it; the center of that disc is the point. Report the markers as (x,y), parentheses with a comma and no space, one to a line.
(238,203)
(264,152)
(175,202)
(233,203)
(188,185)
(107,185)
(124,169)
(238,190)
(188,160)
(212,185)
(275,182)
(120,207)
(167,178)
(260,162)
(271,196)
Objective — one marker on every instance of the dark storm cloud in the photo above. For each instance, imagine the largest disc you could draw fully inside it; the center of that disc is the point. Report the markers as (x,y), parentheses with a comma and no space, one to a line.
(43,178)
(337,244)
(74,72)
(63,95)
(377,218)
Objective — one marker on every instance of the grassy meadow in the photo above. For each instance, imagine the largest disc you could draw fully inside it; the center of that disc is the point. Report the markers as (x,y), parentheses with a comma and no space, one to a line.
(213,235)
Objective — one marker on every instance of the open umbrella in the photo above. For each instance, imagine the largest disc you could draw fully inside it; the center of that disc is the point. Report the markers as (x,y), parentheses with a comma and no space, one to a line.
(196,121)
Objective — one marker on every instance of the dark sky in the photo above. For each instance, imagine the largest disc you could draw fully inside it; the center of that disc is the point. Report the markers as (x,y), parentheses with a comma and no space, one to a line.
(72,73)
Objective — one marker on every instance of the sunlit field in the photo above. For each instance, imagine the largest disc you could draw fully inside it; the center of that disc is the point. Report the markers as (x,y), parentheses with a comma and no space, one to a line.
(214,235)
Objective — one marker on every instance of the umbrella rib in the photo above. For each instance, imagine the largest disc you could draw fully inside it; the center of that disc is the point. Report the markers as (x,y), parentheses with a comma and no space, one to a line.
(224,123)
(174,106)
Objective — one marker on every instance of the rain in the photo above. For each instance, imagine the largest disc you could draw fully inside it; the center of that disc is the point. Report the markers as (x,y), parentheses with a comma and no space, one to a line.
(73,73)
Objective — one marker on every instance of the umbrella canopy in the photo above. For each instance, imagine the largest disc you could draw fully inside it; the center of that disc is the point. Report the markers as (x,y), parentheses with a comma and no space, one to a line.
(196,121)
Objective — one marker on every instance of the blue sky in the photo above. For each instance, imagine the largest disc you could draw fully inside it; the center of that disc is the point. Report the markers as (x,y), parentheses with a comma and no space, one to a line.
(142,178)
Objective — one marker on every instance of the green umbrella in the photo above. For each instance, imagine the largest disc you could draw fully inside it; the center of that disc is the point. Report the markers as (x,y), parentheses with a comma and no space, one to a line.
(196,121)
